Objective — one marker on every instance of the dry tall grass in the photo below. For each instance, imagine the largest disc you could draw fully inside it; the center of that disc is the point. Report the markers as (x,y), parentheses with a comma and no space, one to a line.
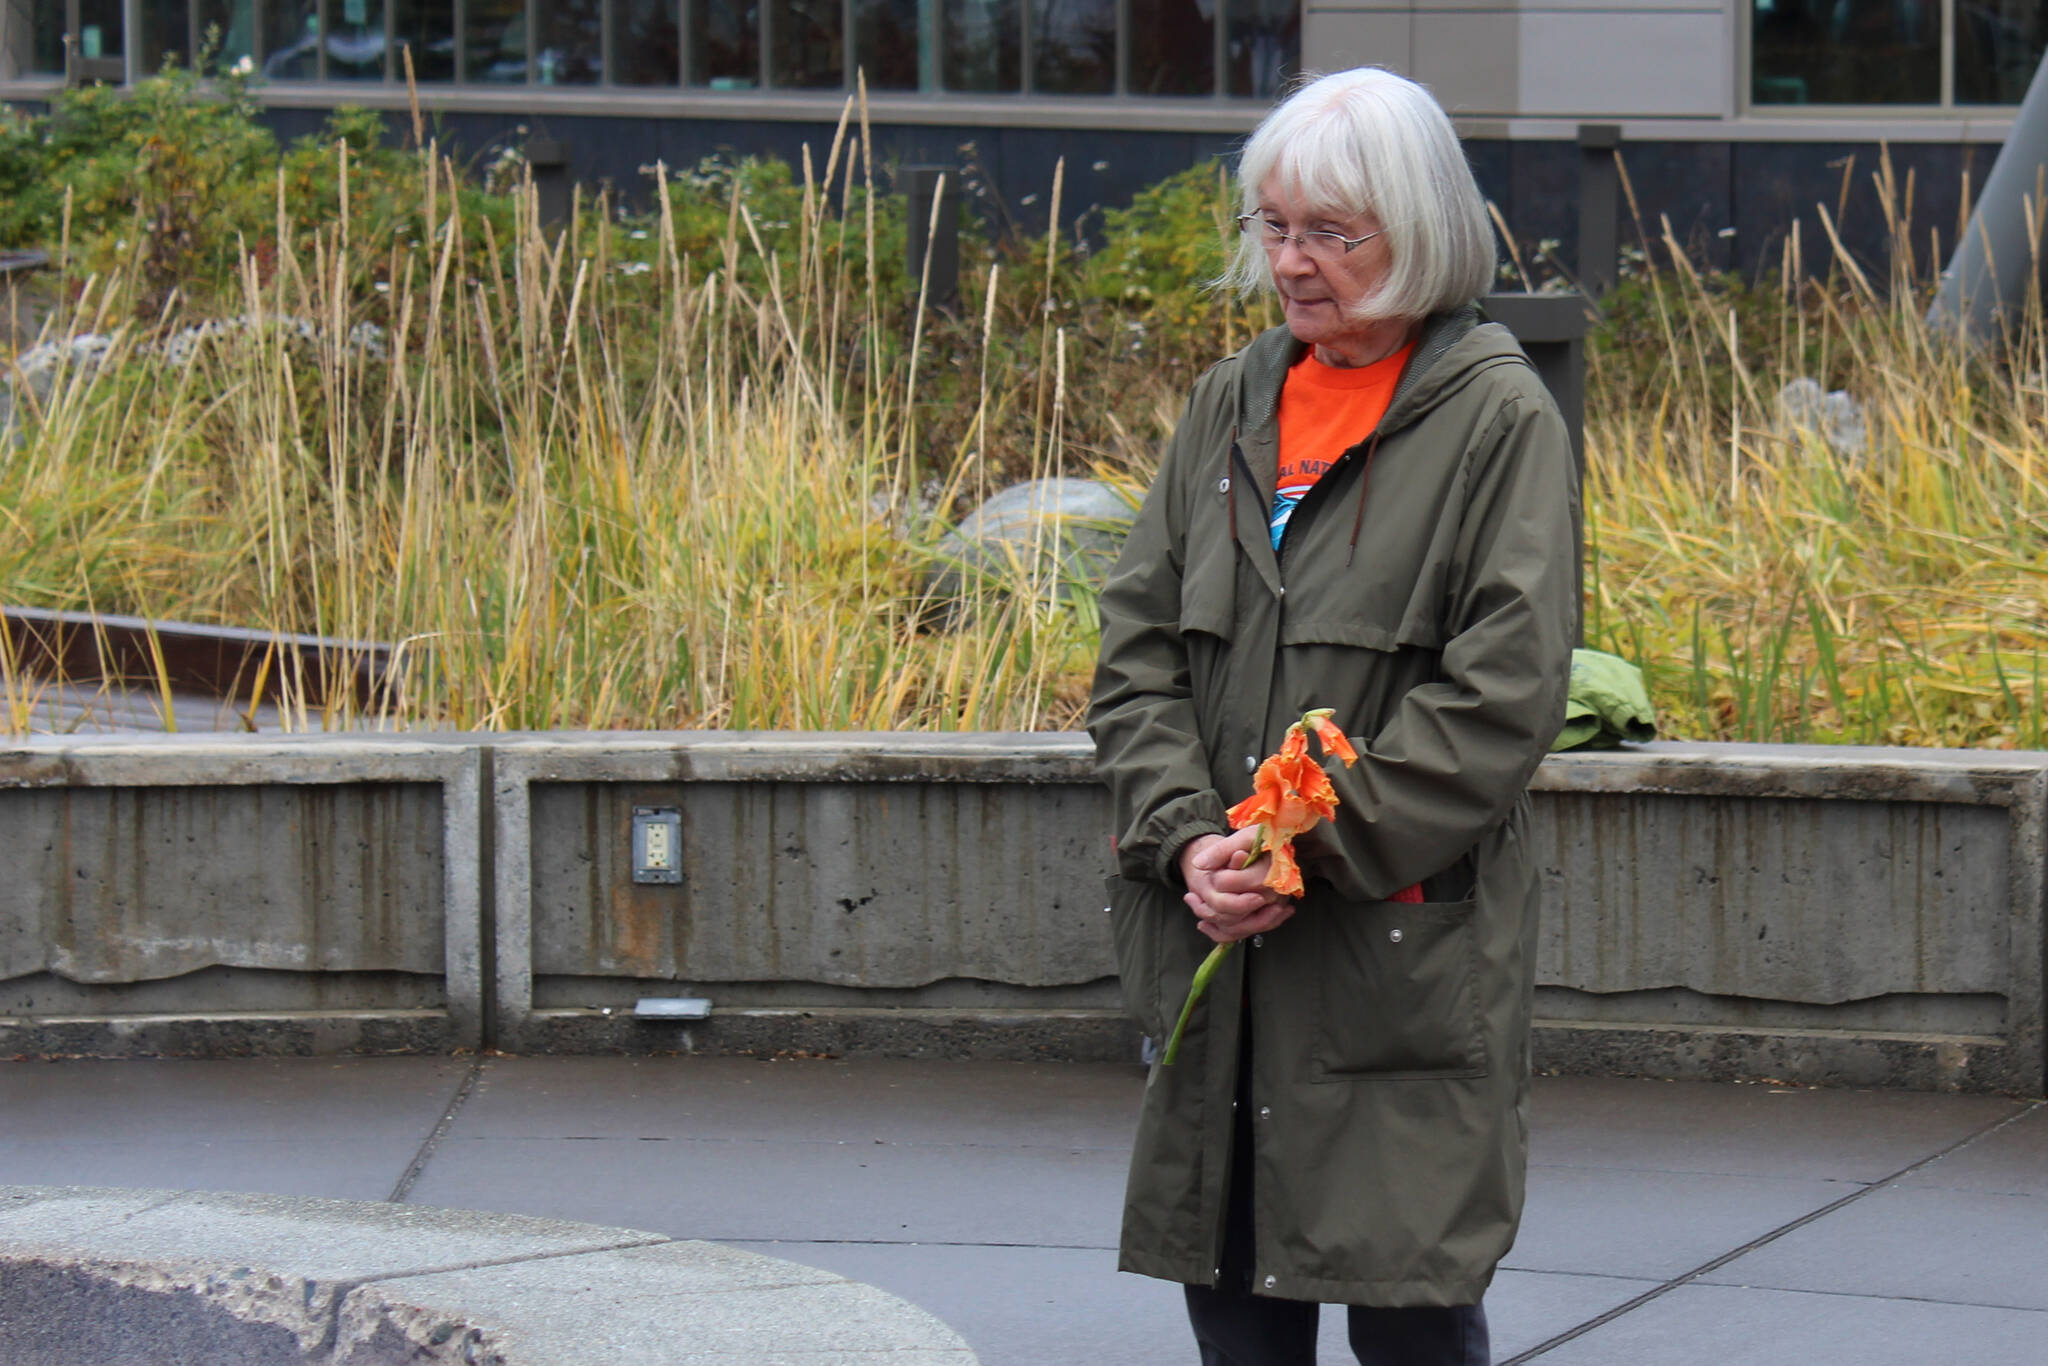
(582,492)
(577,495)
(1777,587)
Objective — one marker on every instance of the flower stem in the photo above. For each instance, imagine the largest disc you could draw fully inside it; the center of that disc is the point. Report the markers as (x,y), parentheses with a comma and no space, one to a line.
(1201,984)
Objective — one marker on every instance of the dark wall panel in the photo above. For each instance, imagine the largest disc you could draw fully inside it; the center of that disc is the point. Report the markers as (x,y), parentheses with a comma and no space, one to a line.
(1705,188)
(1786,181)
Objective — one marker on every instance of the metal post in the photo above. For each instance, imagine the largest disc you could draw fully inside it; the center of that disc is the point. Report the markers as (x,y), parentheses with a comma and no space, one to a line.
(1599,208)
(1984,289)
(1552,330)
(922,183)
(549,160)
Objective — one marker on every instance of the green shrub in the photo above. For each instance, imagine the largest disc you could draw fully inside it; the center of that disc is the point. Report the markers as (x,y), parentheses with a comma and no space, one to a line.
(1159,254)
(176,175)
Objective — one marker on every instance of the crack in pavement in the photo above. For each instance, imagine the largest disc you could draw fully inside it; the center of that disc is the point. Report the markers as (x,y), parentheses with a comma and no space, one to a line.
(418,1166)
(1706,1268)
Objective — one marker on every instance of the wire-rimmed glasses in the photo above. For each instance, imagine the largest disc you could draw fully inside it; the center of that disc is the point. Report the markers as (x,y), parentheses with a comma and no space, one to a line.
(1323,245)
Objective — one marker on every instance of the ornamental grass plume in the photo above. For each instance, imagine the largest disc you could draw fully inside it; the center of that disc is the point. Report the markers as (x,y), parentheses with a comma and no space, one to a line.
(1290,793)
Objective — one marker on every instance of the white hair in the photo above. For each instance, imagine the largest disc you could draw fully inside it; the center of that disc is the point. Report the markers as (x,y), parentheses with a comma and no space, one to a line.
(1369,141)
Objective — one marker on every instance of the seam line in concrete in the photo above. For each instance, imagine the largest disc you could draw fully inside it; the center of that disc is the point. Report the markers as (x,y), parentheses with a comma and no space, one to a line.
(898,1144)
(1696,1171)
(418,1166)
(934,1242)
(516,1259)
(1707,1268)
(170,1198)
(1869,1295)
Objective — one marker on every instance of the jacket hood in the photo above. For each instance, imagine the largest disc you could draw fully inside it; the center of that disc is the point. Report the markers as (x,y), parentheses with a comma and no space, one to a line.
(1451,348)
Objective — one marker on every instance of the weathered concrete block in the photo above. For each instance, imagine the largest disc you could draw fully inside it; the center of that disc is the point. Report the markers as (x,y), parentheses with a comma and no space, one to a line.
(884,860)
(1787,899)
(126,884)
(1822,914)
(855,883)
(138,860)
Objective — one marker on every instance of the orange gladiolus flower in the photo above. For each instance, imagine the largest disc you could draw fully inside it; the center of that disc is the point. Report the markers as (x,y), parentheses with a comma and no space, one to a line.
(1335,742)
(1290,793)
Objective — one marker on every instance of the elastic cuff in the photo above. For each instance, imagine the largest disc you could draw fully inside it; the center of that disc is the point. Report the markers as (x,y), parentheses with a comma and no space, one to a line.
(1169,848)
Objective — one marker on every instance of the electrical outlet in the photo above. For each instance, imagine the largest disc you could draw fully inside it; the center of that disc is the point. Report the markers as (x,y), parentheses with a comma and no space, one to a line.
(657,844)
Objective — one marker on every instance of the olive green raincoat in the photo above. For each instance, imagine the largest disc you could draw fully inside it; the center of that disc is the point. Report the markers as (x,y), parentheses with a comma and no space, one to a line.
(1435,612)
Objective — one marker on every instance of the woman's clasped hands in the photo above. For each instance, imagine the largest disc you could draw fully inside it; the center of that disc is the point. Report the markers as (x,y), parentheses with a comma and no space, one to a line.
(1228,893)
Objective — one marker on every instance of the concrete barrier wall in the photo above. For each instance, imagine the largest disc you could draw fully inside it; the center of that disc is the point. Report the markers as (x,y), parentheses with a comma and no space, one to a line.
(1828,915)
(1859,916)
(225,894)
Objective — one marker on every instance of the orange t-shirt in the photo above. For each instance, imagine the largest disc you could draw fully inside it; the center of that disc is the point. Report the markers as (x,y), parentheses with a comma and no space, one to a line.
(1325,410)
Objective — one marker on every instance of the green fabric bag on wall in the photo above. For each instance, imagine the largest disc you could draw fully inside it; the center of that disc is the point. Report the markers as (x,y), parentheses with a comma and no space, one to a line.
(1607,704)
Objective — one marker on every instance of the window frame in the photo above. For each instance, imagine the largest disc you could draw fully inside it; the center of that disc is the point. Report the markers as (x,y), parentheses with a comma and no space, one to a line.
(930,82)
(1748,106)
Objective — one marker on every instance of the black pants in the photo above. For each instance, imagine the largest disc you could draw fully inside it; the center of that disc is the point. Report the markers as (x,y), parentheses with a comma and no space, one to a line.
(1238,1328)
(1234,1327)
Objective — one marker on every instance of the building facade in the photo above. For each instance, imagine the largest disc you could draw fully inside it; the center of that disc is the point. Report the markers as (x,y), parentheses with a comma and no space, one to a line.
(1735,115)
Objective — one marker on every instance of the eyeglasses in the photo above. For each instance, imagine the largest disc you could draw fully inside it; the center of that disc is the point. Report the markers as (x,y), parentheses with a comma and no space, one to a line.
(1322,246)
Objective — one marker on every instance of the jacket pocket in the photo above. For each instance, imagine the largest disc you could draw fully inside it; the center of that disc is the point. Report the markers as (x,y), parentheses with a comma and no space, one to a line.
(1138,916)
(1400,992)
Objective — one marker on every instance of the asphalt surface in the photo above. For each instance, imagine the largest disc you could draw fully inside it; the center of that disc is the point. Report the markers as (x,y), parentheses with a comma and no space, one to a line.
(1668,1223)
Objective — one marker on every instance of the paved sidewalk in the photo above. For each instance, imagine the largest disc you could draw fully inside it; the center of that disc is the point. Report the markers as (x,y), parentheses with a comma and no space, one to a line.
(1668,1223)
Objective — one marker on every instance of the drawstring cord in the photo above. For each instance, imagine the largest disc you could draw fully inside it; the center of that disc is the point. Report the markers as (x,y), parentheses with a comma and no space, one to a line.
(1358,518)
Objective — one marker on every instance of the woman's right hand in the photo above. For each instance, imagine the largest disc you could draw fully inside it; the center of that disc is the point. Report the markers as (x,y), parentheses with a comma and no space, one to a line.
(1229,895)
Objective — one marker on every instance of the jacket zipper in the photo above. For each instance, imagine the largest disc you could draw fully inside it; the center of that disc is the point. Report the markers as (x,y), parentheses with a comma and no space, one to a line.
(1287,537)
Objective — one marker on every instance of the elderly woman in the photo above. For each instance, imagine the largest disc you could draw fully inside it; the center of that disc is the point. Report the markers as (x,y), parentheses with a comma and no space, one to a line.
(1368,509)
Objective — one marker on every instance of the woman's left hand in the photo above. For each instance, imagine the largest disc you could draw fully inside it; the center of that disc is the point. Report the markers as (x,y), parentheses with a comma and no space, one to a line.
(1228,894)
(1274,915)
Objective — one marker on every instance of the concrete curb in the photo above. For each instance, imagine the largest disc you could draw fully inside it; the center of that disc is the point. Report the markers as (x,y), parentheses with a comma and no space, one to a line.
(91,1274)
(983,1035)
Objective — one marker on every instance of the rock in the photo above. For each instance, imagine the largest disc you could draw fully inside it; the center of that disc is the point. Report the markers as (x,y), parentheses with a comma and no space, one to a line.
(1834,417)
(38,366)
(1075,528)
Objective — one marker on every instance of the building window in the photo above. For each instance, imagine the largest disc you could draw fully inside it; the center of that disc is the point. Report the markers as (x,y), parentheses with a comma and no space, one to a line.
(1173,47)
(291,40)
(1889,52)
(984,46)
(227,31)
(1074,47)
(646,43)
(1998,45)
(571,43)
(425,29)
(166,31)
(725,49)
(1241,48)
(493,41)
(45,55)
(1264,37)
(355,40)
(886,45)
(808,38)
